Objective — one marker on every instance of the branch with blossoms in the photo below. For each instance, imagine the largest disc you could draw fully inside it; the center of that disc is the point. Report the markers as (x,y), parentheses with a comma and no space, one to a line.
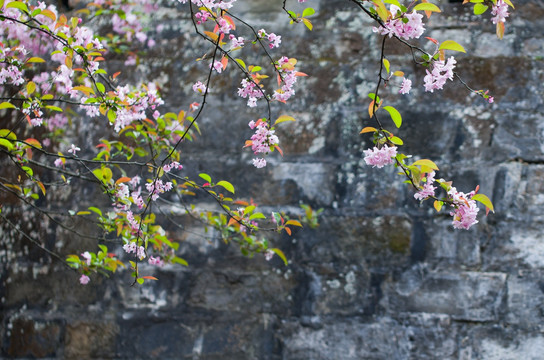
(405,24)
(137,165)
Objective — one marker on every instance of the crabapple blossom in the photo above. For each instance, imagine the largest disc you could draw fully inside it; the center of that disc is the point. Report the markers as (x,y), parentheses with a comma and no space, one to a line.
(84,279)
(236,42)
(59,162)
(156,261)
(442,71)
(217,66)
(199,87)
(428,189)
(269,254)
(172,165)
(87,256)
(406,86)
(73,149)
(158,187)
(132,247)
(379,157)
(465,210)
(500,12)
(259,163)
(407,29)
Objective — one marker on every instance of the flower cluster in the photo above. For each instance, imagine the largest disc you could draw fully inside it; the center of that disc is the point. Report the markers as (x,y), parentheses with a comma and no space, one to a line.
(379,157)
(157,187)
(465,209)
(139,102)
(442,71)
(428,189)
(84,279)
(288,74)
(273,39)
(211,4)
(405,26)
(499,12)
(156,261)
(131,247)
(262,142)
(236,42)
(406,86)
(251,91)
(173,165)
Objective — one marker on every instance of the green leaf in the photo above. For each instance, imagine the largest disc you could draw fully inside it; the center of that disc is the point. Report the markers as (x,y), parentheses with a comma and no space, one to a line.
(178,260)
(7,144)
(28,170)
(281,255)
(96,210)
(7,105)
(426,162)
(53,108)
(394,2)
(308,23)
(100,87)
(140,281)
(427,7)
(111,116)
(205,177)
(258,215)
(308,12)
(451,45)
(35,59)
(30,87)
(396,140)
(17,5)
(479,9)
(241,62)
(227,185)
(484,200)
(386,64)
(283,118)
(395,115)
(7,134)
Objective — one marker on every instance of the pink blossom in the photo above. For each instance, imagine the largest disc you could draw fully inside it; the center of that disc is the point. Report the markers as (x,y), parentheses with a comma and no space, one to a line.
(87,256)
(59,162)
(199,87)
(259,163)
(428,189)
(84,279)
(158,187)
(269,254)
(156,261)
(396,26)
(217,66)
(441,72)
(133,248)
(172,165)
(274,40)
(500,12)
(491,99)
(465,210)
(406,86)
(379,157)
(264,139)
(236,42)
(73,149)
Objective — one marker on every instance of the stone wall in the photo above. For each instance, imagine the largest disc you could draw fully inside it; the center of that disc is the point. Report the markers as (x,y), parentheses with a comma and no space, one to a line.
(382,277)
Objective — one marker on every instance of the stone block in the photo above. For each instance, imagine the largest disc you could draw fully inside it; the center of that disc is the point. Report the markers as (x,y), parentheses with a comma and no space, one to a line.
(468,296)
(352,339)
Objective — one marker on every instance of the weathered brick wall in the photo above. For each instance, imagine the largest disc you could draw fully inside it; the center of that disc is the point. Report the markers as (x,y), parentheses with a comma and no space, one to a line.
(382,277)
